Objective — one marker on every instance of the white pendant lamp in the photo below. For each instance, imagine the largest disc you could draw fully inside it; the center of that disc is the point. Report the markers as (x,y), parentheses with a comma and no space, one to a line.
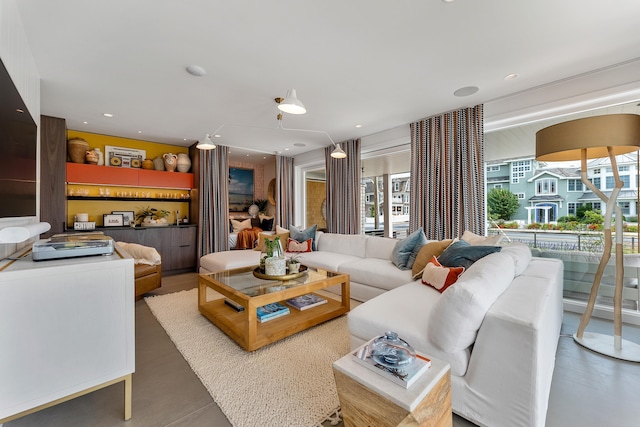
(291,104)
(338,153)
(206,143)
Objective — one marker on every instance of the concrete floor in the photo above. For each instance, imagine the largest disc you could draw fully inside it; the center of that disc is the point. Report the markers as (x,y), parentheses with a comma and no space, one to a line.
(587,390)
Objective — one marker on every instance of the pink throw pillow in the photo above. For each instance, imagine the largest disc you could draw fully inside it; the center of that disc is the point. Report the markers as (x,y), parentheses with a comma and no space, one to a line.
(295,246)
(439,277)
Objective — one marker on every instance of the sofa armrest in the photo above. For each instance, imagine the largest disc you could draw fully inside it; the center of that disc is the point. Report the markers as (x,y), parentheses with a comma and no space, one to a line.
(512,361)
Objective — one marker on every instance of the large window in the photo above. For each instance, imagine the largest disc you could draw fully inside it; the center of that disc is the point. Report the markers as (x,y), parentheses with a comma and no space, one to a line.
(572,208)
(574,185)
(519,170)
(546,186)
(595,182)
(610,184)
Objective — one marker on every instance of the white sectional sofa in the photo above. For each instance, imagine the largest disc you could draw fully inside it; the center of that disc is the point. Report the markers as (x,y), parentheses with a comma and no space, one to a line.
(498,326)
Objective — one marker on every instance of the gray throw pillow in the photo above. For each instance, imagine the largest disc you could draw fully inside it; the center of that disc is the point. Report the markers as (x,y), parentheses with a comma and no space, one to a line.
(405,251)
(302,235)
(462,254)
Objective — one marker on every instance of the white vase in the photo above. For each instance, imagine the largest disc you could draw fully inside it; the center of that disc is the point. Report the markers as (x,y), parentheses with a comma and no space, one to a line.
(184,162)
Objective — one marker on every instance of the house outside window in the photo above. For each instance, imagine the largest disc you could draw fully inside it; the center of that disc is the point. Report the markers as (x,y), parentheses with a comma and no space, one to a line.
(396,186)
(572,208)
(596,171)
(521,196)
(625,207)
(610,183)
(546,186)
(574,185)
(596,182)
(493,168)
(519,169)
(497,185)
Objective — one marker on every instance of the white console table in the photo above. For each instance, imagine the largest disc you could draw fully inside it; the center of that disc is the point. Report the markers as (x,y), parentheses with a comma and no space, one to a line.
(66,329)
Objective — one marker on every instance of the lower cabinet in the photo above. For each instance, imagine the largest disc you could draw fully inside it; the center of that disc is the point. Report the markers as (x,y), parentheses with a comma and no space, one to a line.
(176,244)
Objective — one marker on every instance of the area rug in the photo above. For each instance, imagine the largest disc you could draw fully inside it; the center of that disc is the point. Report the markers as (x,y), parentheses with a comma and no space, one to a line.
(287,383)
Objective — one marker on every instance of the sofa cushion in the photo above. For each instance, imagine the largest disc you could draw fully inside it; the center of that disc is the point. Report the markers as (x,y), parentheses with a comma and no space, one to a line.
(379,247)
(455,320)
(226,260)
(521,255)
(302,235)
(295,246)
(346,244)
(406,250)
(262,236)
(462,254)
(326,260)
(415,301)
(440,277)
(376,273)
(141,254)
(238,226)
(425,254)
(477,240)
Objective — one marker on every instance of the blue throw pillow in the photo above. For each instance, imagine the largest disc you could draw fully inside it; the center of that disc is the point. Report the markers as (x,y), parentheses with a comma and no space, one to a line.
(405,251)
(302,235)
(462,254)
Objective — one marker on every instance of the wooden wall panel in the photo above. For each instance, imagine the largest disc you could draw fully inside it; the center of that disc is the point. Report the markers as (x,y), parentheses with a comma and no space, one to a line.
(53,155)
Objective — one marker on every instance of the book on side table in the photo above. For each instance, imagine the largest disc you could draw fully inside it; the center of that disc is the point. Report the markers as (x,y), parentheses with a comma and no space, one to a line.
(271,311)
(404,378)
(306,301)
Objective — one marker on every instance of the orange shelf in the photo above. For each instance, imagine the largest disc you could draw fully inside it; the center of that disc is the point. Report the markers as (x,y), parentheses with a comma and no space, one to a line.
(78,173)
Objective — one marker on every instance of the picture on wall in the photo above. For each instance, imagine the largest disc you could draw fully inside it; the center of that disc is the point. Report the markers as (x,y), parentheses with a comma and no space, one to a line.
(241,187)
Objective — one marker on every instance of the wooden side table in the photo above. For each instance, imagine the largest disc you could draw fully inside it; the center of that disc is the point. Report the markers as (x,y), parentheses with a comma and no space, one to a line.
(368,399)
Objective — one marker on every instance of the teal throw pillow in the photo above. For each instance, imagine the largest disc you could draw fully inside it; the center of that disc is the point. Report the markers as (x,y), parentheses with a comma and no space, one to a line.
(405,251)
(302,235)
(462,254)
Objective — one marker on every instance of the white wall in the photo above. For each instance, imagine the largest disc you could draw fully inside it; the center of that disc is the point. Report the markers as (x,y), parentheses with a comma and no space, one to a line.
(17,58)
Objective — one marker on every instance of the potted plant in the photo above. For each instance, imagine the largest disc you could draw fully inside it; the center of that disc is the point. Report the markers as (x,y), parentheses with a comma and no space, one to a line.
(293,262)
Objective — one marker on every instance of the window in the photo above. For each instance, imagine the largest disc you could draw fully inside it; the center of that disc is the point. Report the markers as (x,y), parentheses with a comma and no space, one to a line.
(546,186)
(623,168)
(574,185)
(519,168)
(515,180)
(396,186)
(405,198)
(596,182)
(596,171)
(625,207)
(493,168)
(405,210)
(571,208)
(611,182)
(497,185)
(370,198)
(521,196)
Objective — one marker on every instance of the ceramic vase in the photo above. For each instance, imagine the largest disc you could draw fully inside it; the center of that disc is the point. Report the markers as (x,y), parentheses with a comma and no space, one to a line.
(183,163)
(158,163)
(77,149)
(91,157)
(170,161)
(100,156)
(148,164)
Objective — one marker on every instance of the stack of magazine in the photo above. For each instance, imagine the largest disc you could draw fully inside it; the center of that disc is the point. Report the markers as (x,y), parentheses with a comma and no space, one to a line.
(306,301)
(405,377)
(271,311)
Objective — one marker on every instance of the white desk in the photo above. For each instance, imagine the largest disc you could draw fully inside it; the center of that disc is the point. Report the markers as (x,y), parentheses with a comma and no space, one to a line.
(66,329)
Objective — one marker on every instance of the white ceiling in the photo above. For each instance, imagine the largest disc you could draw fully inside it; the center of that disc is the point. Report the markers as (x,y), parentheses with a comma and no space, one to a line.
(374,63)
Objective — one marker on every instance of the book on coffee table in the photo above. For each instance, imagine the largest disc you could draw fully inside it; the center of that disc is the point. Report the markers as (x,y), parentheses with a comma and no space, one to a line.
(271,311)
(407,376)
(306,301)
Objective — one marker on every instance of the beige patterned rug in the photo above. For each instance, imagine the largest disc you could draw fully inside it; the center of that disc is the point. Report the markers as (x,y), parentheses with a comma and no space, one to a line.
(287,383)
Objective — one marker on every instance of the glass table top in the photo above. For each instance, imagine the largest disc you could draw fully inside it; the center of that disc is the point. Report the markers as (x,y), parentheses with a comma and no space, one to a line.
(244,281)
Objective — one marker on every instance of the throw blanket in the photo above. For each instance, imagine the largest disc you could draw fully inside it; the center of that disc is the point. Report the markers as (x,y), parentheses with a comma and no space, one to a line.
(247,238)
(142,254)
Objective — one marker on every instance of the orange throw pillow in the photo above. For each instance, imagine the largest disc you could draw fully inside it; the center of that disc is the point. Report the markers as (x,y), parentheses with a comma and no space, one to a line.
(440,277)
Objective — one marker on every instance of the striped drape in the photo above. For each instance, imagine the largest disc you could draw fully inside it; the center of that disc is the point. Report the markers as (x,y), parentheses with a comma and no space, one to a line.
(447,174)
(343,189)
(284,191)
(214,201)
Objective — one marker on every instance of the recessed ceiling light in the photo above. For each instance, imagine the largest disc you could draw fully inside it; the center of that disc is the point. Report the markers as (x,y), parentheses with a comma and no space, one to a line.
(216,136)
(196,70)
(511,76)
(108,115)
(286,149)
(448,1)
(139,131)
(247,155)
(299,144)
(358,126)
(466,91)
(184,139)
(86,123)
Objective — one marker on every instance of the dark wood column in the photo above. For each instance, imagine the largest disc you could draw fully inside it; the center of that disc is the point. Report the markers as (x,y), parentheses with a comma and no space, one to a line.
(53,157)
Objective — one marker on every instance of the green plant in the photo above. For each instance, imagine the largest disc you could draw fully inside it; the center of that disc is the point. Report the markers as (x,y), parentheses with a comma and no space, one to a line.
(294,259)
(592,217)
(262,205)
(502,202)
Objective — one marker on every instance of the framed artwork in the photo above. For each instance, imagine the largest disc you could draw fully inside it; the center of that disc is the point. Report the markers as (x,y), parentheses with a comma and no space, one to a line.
(123,157)
(241,189)
(112,220)
(127,216)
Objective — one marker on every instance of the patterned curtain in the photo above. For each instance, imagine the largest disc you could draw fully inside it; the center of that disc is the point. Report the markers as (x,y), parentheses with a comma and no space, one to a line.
(214,201)
(284,191)
(447,174)
(343,189)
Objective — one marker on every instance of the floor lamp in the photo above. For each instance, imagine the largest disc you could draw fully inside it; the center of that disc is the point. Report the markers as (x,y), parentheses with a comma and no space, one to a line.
(590,138)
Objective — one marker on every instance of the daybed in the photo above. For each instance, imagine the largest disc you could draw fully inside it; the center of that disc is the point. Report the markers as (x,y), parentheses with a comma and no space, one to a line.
(498,326)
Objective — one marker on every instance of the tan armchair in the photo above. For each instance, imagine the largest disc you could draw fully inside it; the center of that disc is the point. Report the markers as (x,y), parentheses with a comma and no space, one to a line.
(148,267)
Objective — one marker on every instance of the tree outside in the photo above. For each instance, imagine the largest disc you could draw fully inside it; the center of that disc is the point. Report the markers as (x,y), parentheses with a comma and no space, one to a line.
(502,203)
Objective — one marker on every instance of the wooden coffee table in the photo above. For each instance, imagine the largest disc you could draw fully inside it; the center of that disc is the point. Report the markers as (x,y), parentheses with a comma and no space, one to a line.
(241,286)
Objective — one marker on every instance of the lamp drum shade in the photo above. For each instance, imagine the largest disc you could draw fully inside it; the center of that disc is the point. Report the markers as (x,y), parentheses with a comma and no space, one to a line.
(564,141)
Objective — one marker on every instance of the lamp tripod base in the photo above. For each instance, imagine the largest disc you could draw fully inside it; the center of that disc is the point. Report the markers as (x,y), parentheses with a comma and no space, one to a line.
(606,344)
